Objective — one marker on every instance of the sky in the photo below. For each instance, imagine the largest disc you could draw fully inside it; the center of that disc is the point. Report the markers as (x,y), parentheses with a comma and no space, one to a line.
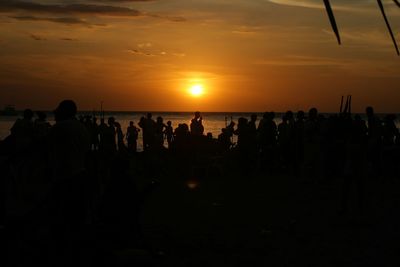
(247,55)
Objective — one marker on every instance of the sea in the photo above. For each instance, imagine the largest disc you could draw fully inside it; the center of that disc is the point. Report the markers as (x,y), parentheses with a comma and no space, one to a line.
(213,121)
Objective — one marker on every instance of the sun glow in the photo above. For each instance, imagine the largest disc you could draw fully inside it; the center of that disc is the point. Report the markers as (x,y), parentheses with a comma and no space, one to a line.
(196,90)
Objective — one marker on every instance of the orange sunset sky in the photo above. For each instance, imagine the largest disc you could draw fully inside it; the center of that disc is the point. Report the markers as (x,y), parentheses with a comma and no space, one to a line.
(247,55)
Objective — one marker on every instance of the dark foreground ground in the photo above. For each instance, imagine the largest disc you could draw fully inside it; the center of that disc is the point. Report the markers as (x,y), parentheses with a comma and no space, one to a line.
(231,218)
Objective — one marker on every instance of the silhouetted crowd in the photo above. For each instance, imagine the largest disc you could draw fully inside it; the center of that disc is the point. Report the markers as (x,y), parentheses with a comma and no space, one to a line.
(57,179)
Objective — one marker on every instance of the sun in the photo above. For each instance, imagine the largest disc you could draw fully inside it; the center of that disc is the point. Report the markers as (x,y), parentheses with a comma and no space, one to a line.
(196,90)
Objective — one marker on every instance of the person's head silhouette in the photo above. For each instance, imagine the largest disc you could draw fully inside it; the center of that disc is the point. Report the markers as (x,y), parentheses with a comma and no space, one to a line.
(369,111)
(313,114)
(66,110)
(28,114)
(111,121)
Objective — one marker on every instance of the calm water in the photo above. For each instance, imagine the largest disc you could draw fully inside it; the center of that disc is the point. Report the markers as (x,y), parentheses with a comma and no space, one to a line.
(213,122)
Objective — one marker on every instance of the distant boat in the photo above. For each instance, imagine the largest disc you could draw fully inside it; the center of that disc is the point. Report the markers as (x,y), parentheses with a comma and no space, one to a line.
(8,110)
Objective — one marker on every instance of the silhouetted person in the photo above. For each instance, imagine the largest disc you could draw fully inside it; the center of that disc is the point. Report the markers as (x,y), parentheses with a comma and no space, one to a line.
(244,144)
(243,133)
(389,152)
(284,139)
(69,143)
(312,141)
(253,134)
(132,134)
(354,169)
(374,141)
(108,134)
(224,140)
(94,134)
(159,132)
(182,138)
(169,133)
(120,136)
(22,131)
(389,130)
(267,135)
(299,139)
(148,126)
(196,125)
(359,131)
(252,123)
(41,126)
(102,134)
(82,119)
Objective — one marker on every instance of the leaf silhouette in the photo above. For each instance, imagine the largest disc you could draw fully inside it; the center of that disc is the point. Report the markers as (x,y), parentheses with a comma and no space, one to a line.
(388,24)
(332,19)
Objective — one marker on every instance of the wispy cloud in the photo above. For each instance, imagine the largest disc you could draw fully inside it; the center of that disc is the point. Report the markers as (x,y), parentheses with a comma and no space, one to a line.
(37,37)
(141,45)
(179,54)
(145,51)
(341,4)
(246,30)
(61,20)
(140,52)
(10,6)
(68,39)
(105,10)
(303,61)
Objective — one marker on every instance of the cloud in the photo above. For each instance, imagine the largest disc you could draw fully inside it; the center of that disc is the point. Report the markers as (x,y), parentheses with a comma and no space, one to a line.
(153,53)
(341,4)
(90,9)
(179,54)
(37,37)
(170,18)
(139,52)
(246,30)
(141,45)
(68,39)
(62,20)
(65,13)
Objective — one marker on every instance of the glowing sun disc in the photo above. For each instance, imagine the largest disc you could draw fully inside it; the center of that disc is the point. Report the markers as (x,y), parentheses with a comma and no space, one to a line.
(196,90)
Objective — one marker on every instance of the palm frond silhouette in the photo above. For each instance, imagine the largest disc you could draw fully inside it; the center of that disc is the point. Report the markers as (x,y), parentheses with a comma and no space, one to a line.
(382,9)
